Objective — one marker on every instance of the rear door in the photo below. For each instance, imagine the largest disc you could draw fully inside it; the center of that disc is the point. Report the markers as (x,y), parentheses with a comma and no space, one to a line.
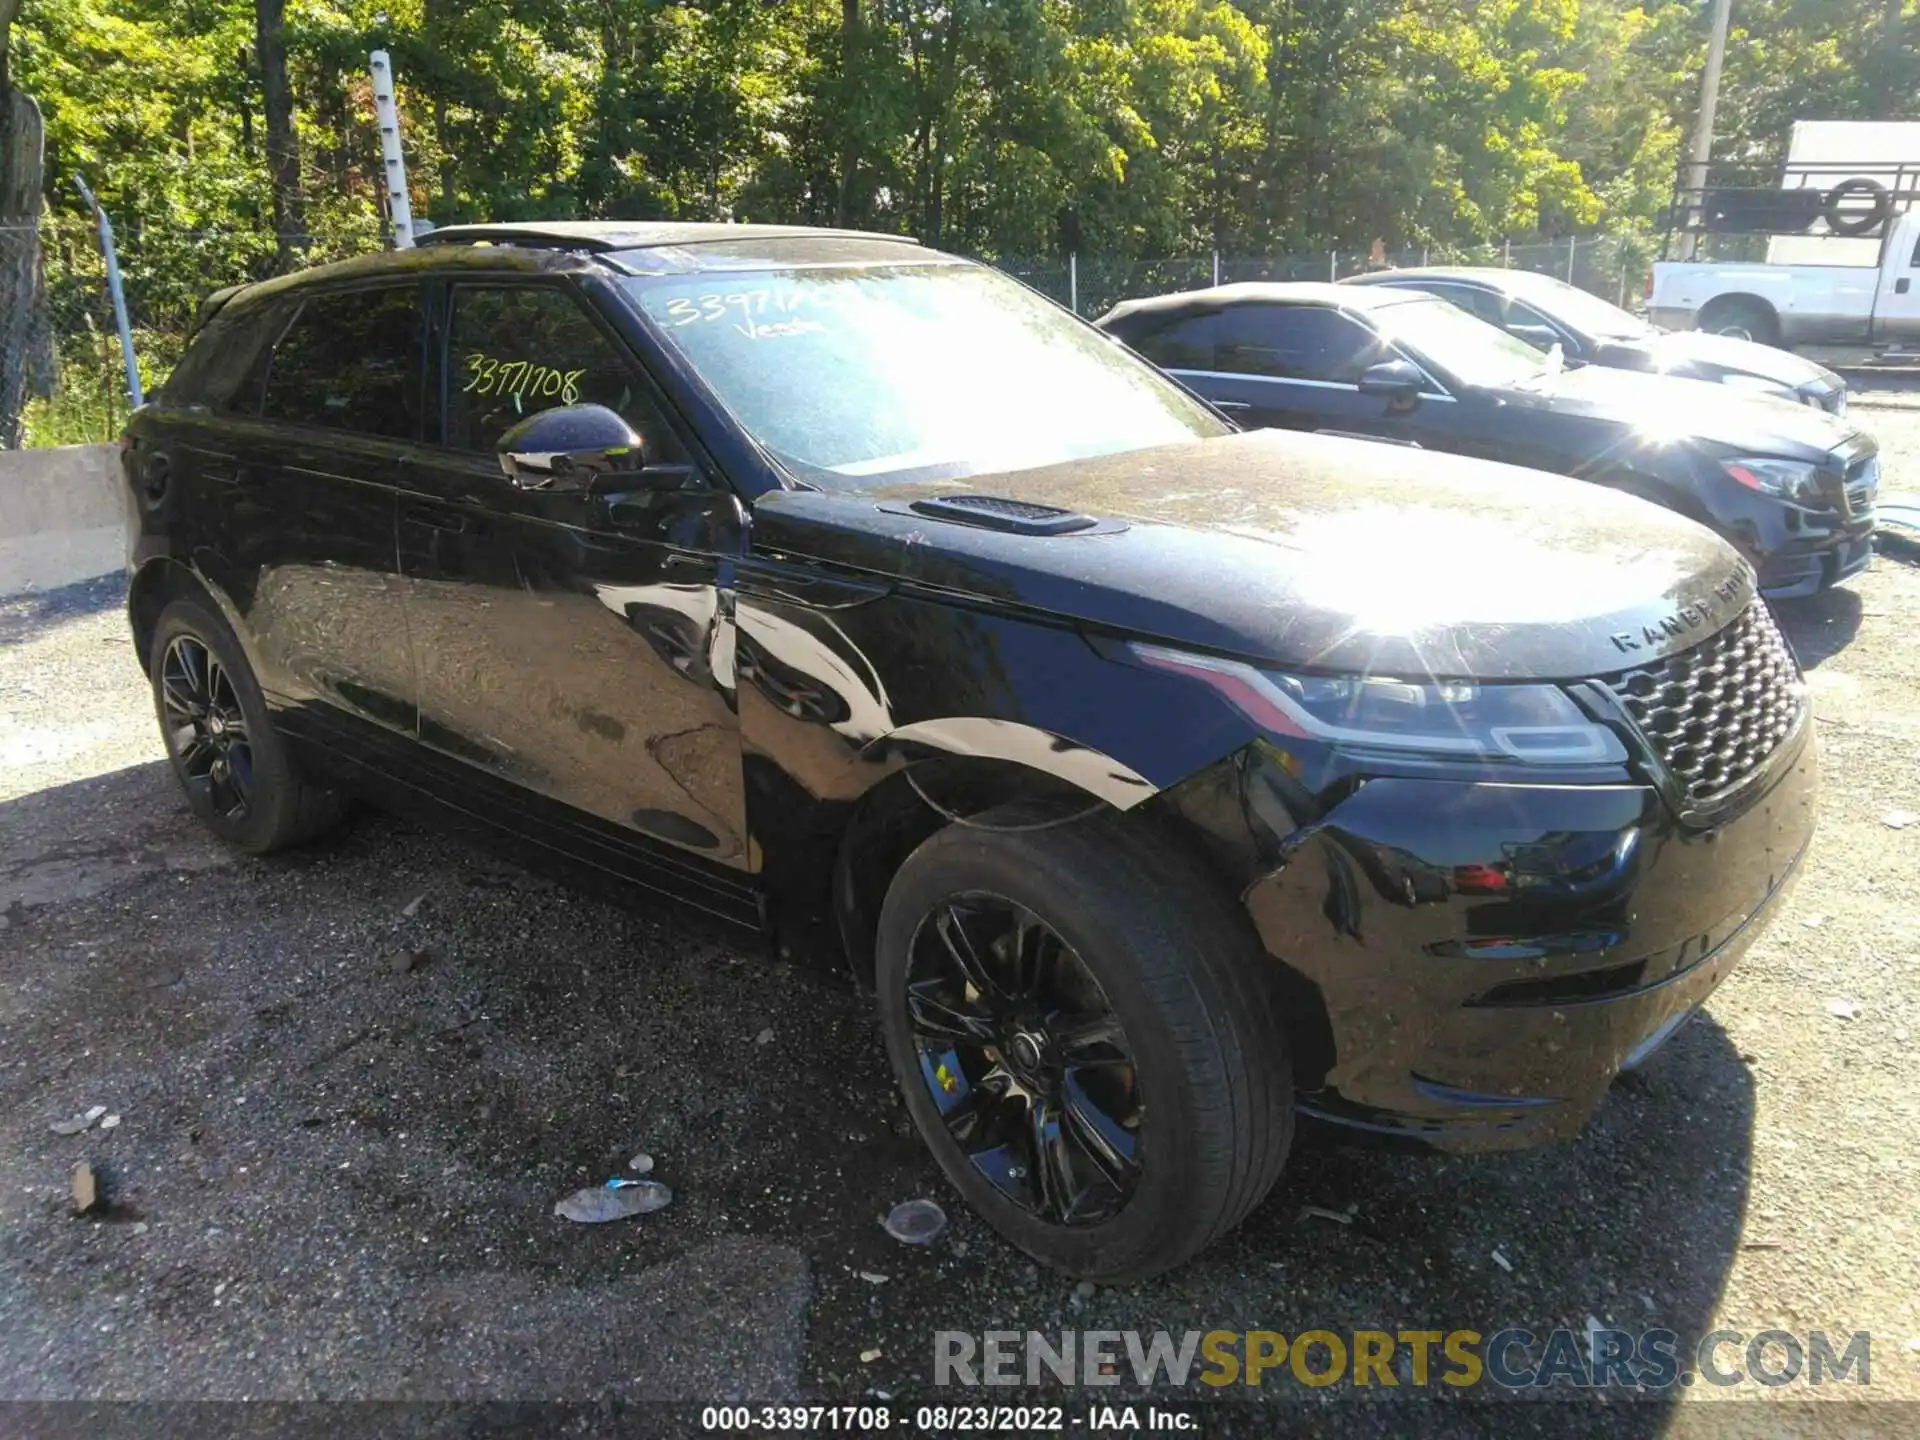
(569,652)
(295,509)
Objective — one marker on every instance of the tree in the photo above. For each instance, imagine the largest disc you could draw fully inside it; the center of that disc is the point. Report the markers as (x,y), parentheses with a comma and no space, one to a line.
(25,364)
(283,140)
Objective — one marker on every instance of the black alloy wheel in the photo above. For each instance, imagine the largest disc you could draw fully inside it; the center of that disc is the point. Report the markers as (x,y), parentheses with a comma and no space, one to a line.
(1087,1034)
(236,770)
(206,731)
(1025,1060)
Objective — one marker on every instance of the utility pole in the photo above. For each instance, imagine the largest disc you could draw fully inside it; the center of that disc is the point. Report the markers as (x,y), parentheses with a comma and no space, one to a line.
(1700,150)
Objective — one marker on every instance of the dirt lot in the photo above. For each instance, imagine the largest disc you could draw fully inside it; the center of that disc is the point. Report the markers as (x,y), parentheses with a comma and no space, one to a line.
(351,1082)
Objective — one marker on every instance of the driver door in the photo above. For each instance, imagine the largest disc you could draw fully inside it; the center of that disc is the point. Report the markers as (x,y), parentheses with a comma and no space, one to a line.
(565,650)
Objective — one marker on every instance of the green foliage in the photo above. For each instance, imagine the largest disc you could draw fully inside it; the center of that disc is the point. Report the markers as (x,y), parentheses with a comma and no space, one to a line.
(1171,126)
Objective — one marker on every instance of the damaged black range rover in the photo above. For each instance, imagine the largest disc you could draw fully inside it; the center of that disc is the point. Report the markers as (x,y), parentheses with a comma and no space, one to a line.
(1160,781)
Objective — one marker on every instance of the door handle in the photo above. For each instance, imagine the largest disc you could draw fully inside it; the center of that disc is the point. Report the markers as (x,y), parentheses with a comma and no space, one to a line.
(435,518)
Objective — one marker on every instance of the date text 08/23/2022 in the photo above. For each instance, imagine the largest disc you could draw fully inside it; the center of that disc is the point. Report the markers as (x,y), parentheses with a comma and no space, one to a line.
(951,1419)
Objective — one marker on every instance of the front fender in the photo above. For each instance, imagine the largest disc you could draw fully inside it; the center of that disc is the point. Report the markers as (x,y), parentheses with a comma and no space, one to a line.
(977,737)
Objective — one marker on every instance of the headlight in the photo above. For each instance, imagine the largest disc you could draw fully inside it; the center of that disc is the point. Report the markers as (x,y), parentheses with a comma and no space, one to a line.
(1789,479)
(1536,724)
(1760,385)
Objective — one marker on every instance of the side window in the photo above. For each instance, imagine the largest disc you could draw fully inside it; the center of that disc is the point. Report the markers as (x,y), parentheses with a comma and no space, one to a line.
(351,360)
(1184,345)
(1297,342)
(1481,304)
(513,351)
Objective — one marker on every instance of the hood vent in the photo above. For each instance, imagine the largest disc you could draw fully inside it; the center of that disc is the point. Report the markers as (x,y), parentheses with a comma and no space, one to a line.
(996,512)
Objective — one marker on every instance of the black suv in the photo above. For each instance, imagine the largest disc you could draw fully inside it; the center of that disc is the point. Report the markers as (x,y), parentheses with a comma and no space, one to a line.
(1791,486)
(1160,781)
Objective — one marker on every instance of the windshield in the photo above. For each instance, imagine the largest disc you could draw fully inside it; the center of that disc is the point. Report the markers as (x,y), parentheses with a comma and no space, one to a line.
(1575,308)
(1451,340)
(937,371)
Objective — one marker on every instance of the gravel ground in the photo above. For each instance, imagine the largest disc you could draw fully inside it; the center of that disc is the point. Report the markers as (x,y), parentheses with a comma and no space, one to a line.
(352,1081)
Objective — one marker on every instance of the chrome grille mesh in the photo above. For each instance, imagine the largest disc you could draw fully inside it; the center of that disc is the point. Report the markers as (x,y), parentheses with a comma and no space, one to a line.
(1716,712)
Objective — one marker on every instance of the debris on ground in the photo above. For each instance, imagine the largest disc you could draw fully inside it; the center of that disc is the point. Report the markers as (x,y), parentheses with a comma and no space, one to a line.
(1843,1009)
(75,1124)
(916,1222)
(641,1164)
(405,960)
(86,1188)
(871,1277)
(765,1037)
(1085,1289)
(615,1200)
(867,1357)
(110,1122)
(1502,1261)
(1814,922)
(1898,819)
(1316,1212)
(1760,1245)
(412,907)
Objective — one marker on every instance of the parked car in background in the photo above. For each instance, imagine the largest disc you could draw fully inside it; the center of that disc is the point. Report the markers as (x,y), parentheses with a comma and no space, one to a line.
(1545,311)
(1156,779)
(1793,487)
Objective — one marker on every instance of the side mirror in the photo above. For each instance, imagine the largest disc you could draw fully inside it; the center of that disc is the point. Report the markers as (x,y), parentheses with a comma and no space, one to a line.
(1401,381)
(577,449)
(1538,336)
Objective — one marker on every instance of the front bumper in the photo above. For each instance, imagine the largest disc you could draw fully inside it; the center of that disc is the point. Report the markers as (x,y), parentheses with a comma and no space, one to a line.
(1490,957)
(1804,568)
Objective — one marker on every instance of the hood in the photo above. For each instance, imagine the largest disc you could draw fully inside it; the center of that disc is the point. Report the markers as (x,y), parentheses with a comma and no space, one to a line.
(1307,551)
(1664,409)
(1708,357)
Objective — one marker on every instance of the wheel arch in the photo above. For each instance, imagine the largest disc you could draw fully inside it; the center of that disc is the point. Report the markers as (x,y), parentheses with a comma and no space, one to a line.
(925,794)
(153,587)
(1742,300)
(166,578)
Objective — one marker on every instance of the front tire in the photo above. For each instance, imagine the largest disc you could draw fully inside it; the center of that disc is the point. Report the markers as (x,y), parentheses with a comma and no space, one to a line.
(236,771)
(1086,1033)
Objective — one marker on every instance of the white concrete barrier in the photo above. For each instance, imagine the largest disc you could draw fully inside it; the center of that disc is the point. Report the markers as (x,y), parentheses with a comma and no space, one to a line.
(63,516)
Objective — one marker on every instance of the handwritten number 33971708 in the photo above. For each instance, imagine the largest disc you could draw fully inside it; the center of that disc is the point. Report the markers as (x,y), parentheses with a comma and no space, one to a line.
(487,375)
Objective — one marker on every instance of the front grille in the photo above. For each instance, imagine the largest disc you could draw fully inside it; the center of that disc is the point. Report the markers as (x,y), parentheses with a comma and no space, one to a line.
(1716,712)
(1863,484)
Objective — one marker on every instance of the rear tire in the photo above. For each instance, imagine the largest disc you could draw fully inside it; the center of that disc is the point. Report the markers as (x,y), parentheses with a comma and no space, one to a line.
(1191,1039)
(1741,318)
(239,778)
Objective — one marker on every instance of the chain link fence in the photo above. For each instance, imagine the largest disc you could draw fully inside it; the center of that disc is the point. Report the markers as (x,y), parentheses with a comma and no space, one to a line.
(1614,267)
(60,354)
(73,379)
(29,368)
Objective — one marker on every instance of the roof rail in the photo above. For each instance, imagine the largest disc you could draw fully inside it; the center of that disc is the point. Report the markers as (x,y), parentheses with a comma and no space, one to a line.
(602,236)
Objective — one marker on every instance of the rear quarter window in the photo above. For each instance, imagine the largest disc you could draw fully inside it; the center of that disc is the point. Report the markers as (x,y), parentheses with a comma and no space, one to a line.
(222,367)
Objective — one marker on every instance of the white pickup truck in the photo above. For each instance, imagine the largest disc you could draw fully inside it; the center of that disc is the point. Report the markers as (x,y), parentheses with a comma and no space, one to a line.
(1873,302)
